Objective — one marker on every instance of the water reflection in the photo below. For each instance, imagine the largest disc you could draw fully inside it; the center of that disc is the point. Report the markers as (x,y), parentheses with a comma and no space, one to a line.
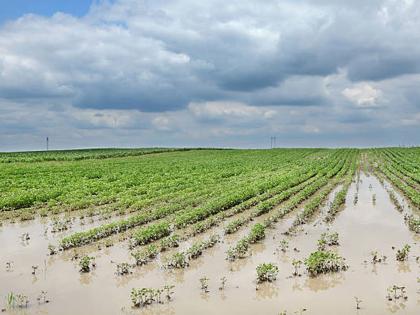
(324,282)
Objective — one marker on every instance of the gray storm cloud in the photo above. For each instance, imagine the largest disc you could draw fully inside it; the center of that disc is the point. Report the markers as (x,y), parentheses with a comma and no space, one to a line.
(153,65)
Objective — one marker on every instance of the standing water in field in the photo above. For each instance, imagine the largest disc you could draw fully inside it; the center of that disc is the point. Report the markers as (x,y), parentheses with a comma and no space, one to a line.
(368,230)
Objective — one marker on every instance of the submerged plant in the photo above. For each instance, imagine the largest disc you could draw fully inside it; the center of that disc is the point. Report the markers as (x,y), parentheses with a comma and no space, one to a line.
(16,300)
(123,269)
(86,263)
(146,296)
(402,254)
(257,233)
(204,281)
(267,272)
(42,298)
(34,269)
(323,261)
(145,255)
(169,242)
(25,237)
(284,245)
(9,266)
(322,244)
(396,292)
(377,258)
(358,301)
(222,283)
(296,263)
(238,251)
(52,250)
(177,260)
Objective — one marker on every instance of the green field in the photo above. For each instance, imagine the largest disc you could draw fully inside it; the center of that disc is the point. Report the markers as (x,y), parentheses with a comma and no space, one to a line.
(150,201)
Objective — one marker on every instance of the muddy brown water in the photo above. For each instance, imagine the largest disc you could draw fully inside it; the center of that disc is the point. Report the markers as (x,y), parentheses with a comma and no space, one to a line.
(362,227)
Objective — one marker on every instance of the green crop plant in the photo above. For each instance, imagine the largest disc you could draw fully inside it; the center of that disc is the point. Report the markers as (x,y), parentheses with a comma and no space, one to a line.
(86,263)
(170,242)
(323,261)
(123,269)
(238,251)
(177,260)
(267,272)
(146,296)
(145,255)
(257,233)
(328,239)
(402,254)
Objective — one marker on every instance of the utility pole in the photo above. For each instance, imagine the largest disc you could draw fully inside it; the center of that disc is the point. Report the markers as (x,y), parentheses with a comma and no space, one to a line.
(273,142)
(47,142)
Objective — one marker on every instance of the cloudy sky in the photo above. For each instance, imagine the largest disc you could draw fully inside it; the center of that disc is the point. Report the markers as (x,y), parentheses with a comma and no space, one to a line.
(130,73)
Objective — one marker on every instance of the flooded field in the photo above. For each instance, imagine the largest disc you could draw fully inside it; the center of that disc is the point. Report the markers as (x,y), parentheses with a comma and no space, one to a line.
(367,222)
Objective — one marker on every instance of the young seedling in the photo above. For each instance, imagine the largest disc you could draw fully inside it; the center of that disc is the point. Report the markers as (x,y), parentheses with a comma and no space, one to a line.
(396,292)
(222,283)
(42,298)
(322,244)
(204,284)
(358,301)
(377,258)
(284,245)
(168,291)
(34,269)
(52,249)
(356,199)
(22,300)
(296,263)
(10,300)
(374,199)
(402,254)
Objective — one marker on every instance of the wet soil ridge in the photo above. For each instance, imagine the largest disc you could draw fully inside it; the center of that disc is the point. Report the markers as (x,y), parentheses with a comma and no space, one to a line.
(165,231)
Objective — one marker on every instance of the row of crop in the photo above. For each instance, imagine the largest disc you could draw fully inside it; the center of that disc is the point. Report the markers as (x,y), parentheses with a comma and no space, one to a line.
(411,193)
(257,232)
(404,163)
(233,200)
(115,227)
(145,253)
(79,185)
(340,197)
(264,202)
(106,230)
(91,235)
(77,155)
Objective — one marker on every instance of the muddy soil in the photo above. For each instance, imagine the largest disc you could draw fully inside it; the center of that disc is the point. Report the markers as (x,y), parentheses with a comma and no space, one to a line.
(362,227)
